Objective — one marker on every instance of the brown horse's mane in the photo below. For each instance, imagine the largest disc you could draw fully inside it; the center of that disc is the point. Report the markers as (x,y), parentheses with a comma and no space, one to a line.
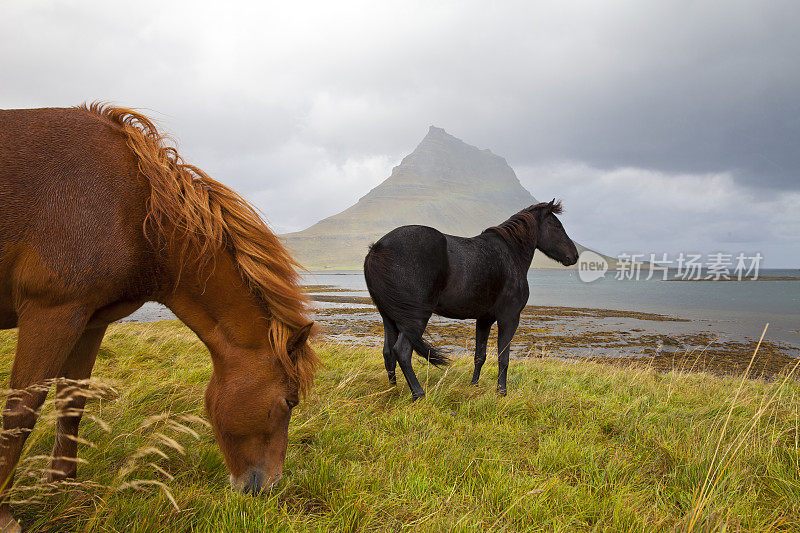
(196,216)
(518,227)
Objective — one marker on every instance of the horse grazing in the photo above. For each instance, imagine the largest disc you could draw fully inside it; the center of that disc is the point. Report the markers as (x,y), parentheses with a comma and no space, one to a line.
(99,215)
(415,271)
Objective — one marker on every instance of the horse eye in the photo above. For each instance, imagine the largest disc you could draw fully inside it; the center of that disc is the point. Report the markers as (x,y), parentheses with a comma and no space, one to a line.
(290,403)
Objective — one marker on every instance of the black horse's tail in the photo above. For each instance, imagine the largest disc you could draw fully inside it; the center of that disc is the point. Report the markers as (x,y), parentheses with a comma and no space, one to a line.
(388,299)
(435,356)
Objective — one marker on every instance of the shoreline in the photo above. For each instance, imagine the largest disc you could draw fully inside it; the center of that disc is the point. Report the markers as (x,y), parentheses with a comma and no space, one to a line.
(664,342)
(600,335)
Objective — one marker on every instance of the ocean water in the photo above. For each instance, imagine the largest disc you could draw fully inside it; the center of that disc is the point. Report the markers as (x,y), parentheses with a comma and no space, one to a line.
(733,310)
(739,309)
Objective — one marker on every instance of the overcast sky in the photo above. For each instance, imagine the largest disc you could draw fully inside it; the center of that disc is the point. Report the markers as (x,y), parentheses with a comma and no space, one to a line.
(664,126)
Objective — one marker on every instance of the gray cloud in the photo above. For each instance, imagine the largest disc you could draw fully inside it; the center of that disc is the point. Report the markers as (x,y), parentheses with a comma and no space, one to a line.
(632,210)
(305,106)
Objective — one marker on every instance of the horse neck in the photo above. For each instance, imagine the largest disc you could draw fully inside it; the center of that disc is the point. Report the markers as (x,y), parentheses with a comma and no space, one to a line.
(219,307)
(522,250)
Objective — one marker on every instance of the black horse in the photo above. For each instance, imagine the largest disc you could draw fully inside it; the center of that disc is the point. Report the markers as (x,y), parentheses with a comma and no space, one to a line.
(415,271)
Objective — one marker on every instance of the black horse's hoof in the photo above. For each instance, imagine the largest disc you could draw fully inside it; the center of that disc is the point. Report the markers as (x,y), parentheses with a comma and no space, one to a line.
(474,382)
(415,397)
(501,392)
(393,382)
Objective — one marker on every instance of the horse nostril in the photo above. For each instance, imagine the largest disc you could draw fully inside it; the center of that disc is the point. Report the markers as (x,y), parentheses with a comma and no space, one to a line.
(254,481)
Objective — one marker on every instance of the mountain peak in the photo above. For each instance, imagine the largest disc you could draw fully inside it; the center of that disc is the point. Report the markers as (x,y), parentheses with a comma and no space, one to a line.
(444,183)
(438,136)
(441,159)
(434,132)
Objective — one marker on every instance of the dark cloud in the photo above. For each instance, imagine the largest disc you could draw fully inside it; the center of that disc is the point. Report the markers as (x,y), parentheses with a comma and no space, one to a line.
(304,106)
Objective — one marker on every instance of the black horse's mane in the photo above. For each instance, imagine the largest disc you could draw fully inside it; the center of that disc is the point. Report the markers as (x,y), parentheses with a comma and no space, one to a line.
(518,227)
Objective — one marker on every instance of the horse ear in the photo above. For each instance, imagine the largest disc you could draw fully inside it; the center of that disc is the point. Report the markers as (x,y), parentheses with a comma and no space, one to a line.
(299,337)
(541,213)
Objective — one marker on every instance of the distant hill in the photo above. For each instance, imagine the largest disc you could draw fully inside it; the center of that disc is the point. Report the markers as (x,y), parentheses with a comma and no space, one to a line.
(444,183)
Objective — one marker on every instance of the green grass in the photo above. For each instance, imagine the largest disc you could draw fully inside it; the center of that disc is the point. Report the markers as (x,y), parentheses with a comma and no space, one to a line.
(574,446)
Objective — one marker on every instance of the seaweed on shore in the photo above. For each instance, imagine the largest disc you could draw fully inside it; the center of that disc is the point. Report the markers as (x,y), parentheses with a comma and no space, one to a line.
(579,334)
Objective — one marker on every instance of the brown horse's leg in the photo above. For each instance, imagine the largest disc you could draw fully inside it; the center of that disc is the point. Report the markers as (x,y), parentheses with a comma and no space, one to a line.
(46,336)
(70,401)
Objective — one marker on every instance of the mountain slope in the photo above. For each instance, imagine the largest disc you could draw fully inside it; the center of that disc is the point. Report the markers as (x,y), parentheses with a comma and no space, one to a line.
(444,183)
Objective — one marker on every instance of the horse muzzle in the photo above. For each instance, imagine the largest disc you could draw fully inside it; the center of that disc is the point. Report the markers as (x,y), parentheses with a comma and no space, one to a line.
(572,260)
(254,481)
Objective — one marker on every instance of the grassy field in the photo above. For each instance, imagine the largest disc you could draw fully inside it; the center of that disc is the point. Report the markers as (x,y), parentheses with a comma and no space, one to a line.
(574,446)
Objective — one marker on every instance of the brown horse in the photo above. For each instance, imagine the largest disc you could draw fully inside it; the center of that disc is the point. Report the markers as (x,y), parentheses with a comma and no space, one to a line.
(99,214)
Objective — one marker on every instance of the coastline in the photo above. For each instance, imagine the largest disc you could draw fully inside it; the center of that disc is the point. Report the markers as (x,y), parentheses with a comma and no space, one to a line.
(664,342)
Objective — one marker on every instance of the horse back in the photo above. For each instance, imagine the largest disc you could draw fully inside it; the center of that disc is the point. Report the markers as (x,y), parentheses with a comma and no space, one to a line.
(409,260)
(74,205)
(478,275)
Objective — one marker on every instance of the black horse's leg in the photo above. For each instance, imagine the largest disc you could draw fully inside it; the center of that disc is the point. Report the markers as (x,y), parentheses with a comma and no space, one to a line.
(403,351)
(389,340)
(505,332)
(482,328)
